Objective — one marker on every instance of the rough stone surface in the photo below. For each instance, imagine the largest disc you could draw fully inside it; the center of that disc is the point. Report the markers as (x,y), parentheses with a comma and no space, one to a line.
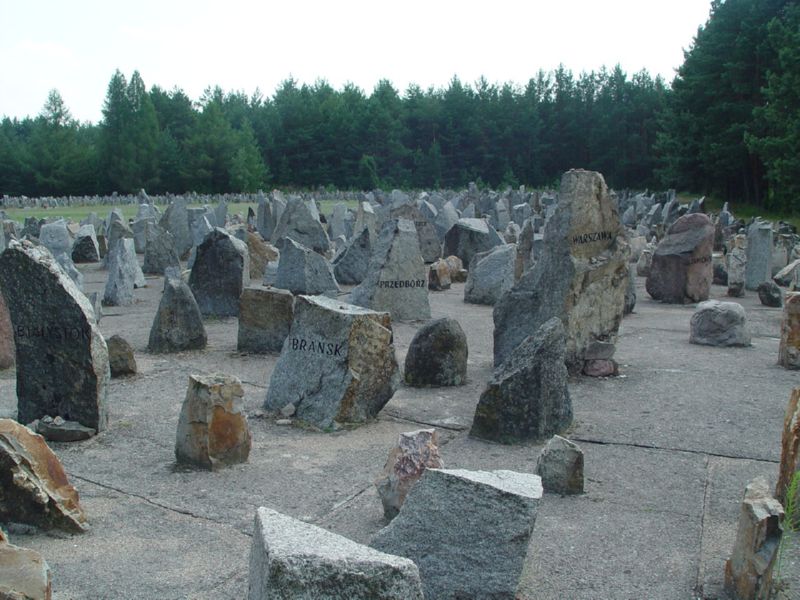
(748,572)
(124,274)
(212,428)
(789,350)
(429,245)
(770,294)
(176,221)
(560,465)
(737,263)
(682,268)
(527,397)
(785,275)
(350,265)
(33,485)
(630,291)
(415,452)
(7,349)
(220,272)
(303,271)
(120,357)
(62,359)
(439,276)
(645,262)
(458,274)
(293,559)
(490,275)
(716,323)
(57,239)
(759,254)
(437,355)
(300,222)
(396,279)
(467,531)
(159,250)
(468,237)
(178,324)
(85,248)
(24,574)
(337,365)
(790,449)
(265,317)
(259,252)
(581,276)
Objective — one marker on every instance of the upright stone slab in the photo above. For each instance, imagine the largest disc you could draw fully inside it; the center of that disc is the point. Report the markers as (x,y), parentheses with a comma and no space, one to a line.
(221,271)
(527,397)
(366,218)
(159,250)
(337,224)
(560,465)
(789,349)
(62,359)
(56,238)
(293,559)
(350,266)
(7,350)
(759,254)
(337,365)
(491,274)
(790,450)
(445,220)
(581,276)
(300,222)
(265,317)
(124,274)
(34,488)
(468,237)
(303,271)
(85,248)
(737,261)
(748,572)
(682,267)
(397,280)
(265,218)
(176,220)
(178,324)
(437,355)
(429,245)
(415,452)
(117,230)
(139,229)
(212,429)
(467,531)
(24,574)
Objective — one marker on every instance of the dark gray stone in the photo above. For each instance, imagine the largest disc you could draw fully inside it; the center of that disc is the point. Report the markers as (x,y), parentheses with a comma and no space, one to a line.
(220,272)
(770,294)
(682,269)
(397,280)
(120,357)
(293,559)
(337,364)
(85,248)
(437,355)
(139,229)
(560,465)
(159,250)
(467,531)
(469,237)
(351,263)
(58,240)
(59,430)
(178,324)
(581,276)
(527,397)
(62,359)
(176,221)
(429,245)
(491,274)
(303,271)
(300,222)
(265,317)
(630,291)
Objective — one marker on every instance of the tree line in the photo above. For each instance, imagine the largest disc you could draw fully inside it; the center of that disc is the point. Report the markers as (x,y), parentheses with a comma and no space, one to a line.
(728,125)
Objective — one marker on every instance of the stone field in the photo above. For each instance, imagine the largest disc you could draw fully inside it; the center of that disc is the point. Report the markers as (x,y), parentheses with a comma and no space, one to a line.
(210,471)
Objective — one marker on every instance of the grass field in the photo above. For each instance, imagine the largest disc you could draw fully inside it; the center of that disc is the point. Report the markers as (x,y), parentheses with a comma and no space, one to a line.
(78,213)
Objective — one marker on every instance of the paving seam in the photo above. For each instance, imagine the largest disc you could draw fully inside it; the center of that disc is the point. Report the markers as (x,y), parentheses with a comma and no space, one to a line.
(158,504)
(398,417)
(685,450)
(698,587)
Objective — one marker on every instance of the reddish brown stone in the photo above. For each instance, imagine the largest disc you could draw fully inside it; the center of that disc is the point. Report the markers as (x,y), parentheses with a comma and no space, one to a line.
(7,348)
(24,575)
(439,276)
(458,274)
(33,485)
(789,352)
(790,449)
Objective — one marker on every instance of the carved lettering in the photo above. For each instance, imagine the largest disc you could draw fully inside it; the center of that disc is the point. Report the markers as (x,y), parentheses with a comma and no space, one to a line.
(316,347)
(402,283)
(596,236)
(52,332)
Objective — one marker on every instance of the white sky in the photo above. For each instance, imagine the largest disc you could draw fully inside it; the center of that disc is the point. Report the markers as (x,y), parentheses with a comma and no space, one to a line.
(75,45)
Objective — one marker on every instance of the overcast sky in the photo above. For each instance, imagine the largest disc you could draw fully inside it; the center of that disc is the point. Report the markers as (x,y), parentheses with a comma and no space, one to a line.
(75,46)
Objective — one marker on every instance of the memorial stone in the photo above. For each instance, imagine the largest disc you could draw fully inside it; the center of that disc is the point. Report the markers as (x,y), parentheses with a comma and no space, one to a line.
(220,272)
(265,317)
(85,248)
(300,222)
(62,359)
(429,244)
(716,323)
(490,275)
(790,451)
(303,271)
(560,465)
(396,278)
(759,254)
(437,355)
(176,220)
(351,263)
(337,364)
(789,350)
(178,324)
(159,250)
